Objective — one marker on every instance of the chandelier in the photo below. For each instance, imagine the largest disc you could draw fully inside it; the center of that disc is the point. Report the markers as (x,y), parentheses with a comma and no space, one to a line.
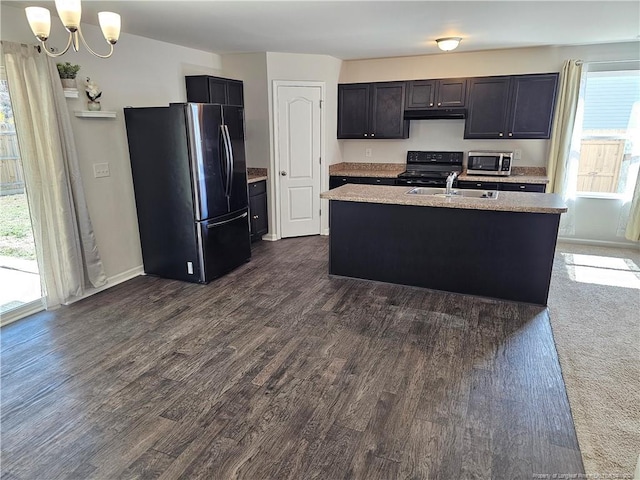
(69,12)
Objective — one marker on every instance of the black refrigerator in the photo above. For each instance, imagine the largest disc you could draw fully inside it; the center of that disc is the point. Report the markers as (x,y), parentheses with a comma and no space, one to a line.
(190,182)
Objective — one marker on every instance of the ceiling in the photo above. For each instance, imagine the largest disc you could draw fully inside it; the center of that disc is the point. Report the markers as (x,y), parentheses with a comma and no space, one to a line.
(368,29)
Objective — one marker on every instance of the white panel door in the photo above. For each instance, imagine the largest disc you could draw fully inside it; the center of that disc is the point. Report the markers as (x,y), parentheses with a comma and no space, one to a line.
(299,133)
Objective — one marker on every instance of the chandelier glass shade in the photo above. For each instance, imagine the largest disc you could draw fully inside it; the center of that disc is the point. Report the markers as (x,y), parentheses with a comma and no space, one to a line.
(70,12)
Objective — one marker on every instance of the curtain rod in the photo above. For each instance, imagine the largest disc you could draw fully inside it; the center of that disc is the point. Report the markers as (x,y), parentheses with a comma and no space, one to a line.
(580,62)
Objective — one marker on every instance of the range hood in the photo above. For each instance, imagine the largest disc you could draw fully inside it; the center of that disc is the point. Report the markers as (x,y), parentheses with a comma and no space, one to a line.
(436,114)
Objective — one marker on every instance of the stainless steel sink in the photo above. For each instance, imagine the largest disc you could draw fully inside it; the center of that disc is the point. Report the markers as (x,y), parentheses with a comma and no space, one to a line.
(465,193)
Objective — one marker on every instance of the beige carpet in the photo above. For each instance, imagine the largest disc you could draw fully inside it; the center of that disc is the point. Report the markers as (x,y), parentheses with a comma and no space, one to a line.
(594,306)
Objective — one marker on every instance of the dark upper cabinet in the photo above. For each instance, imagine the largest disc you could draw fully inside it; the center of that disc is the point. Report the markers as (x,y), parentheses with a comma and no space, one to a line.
(443,93)
(487,107)
(532,103)
(372,110)
(519,106)
(353,110)
(208,89)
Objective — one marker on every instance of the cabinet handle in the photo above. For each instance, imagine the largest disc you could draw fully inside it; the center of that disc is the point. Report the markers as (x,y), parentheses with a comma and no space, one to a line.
(510,134)
(255,217)
(439,103)
(500,134)
(378,181)
(366,135)
(373,134)
(431,104)
(522,186)
(478,184)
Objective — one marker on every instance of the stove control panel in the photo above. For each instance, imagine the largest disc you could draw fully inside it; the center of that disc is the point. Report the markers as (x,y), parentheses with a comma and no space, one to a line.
(434,157)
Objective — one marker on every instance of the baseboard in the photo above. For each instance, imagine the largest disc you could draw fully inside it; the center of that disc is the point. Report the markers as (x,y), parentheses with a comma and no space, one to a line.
(21,312)
(111,282)
(598,243)
(270,237)
(325,232)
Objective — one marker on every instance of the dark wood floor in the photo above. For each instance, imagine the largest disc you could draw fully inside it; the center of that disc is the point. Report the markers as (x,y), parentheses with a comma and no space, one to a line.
(278,371)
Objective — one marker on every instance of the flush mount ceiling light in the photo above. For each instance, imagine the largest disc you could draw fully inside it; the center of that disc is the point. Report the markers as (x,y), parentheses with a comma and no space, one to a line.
(449,43)
(69,12)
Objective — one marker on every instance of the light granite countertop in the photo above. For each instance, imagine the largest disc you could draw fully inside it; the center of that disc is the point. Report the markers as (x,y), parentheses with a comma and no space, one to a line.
(527,202)
(256,174)
(392,170)
(380,170)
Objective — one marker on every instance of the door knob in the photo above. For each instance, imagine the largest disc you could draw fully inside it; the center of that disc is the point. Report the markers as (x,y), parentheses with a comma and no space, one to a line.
(283,173)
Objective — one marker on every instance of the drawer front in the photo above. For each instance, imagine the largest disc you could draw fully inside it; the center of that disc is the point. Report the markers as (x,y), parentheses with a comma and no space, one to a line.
(478,185)
(377,181)
(523,187)
(256,188)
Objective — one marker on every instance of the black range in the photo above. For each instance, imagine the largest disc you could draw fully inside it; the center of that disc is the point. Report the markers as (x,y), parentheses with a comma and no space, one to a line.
(430,168)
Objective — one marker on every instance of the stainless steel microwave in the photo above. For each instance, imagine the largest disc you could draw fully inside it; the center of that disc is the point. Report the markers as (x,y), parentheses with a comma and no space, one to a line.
(489,163)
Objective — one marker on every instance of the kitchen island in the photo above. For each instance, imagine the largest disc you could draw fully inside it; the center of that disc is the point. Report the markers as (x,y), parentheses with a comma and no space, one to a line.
(500,248)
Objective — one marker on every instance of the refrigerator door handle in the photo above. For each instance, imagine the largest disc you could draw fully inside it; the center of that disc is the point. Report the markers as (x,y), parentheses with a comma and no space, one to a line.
(231,159)
(226,161)
(217,224)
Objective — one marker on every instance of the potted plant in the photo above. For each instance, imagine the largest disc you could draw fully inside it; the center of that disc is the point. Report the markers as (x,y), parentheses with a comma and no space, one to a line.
(68,74)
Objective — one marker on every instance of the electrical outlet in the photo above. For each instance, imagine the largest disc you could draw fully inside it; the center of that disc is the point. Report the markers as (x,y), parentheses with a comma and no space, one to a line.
(367,152)
(517,154)
(101,170)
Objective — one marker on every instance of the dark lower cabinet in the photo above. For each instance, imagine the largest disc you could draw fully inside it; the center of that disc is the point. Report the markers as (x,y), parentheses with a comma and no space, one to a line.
(372,111)
(337,181)
(478,185)
(503,186)
(209,89)
(258,217)
(523,187)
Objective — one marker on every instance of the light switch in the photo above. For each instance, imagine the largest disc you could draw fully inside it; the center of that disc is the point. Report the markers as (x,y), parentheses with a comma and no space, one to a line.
(100,170)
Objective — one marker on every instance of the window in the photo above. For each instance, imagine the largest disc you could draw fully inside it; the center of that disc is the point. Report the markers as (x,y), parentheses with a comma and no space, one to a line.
(610,134)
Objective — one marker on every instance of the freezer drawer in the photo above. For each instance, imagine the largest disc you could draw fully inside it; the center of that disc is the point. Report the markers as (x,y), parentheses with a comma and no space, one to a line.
(225,244)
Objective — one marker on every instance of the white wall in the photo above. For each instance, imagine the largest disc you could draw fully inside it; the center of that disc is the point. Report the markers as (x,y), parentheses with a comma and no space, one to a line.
(251,68)
(447,134)
(141,72)
(318,68)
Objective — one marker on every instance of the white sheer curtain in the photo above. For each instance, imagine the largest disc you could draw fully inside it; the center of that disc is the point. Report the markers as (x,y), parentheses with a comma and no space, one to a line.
(564,152)
(66,249)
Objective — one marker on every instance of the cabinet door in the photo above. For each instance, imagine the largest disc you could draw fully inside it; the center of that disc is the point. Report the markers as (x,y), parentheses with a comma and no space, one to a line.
(532,101)
(387,111)
(197,88)
(451,93)
(487,107)
(258,211)
(353,110)
(421,94)
(217,90)
(234,93)
(522,187)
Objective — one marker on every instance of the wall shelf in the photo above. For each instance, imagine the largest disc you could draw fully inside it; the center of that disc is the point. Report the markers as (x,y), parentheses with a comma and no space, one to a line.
(71,92)
(95,114)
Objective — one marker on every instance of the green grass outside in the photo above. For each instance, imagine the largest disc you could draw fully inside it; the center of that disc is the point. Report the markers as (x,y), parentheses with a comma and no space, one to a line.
(16,236)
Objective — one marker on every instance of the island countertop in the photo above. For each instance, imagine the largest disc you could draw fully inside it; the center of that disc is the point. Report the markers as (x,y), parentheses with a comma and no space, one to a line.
(527,202)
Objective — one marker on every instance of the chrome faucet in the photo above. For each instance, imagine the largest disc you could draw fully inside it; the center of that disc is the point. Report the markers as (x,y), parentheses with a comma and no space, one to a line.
(452,176)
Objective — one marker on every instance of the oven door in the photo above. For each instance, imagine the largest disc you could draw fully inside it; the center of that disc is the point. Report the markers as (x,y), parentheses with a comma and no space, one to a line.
(422,182)
(490,163)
